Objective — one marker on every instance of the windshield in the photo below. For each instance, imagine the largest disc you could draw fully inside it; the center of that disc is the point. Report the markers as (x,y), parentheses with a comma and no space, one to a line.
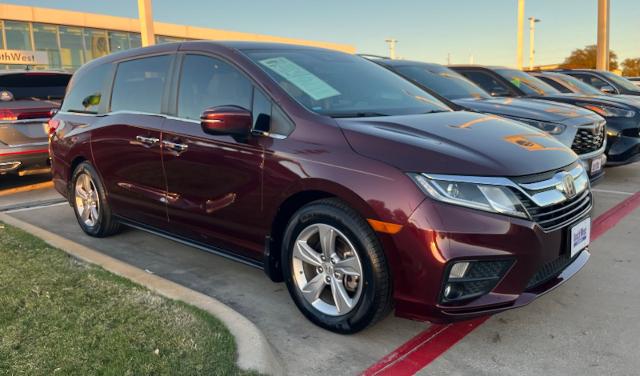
(576,85)
(526,82)
(33,85)
(621,81)
(443,81)
(341,85)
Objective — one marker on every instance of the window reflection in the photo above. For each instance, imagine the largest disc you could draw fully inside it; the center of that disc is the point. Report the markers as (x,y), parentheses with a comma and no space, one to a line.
(135,40)
(118,41)
(17,34)
(71,47)
(45,38)
(95,42)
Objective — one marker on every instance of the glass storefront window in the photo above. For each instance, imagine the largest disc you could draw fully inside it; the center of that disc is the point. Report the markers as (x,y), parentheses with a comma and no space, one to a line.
(71,47)
(164,39)
(118,41)
(1,36)
(17,35)
(135,40)
(95,42)
(45,38)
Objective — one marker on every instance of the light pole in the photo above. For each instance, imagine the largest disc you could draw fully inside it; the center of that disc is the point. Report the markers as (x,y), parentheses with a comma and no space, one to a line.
(145,13)
(520,38)
(392,47)
(602,60)
(532,35)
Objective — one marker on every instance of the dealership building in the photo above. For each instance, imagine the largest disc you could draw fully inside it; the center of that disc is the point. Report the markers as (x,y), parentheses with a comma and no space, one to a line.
(41,38)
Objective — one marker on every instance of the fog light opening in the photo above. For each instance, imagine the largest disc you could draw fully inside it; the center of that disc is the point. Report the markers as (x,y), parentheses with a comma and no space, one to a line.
(451,292)
(458,270)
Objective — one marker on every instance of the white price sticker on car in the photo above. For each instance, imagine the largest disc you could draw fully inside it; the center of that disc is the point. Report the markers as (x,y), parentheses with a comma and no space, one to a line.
(580,236)
(596,165)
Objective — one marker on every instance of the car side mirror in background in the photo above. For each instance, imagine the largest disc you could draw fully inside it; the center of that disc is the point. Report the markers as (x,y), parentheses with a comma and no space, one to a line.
(608,89)
(226,120)
(499,91)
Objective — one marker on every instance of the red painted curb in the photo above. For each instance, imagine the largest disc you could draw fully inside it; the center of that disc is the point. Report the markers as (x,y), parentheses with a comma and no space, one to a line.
(421,350)
(607,220)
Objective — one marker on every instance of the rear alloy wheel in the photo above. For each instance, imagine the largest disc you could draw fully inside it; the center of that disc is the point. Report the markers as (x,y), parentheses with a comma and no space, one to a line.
(335,268)
(90,202)
(87,201)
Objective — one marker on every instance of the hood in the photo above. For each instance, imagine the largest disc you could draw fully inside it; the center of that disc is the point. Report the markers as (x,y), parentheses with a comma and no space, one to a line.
(462,143)
(534,109)
(622,101)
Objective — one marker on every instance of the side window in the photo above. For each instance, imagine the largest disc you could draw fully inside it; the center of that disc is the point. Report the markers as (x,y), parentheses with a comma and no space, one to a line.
(261,111)
(139,84)
(209,82)
(268,117)
(598,83)
(85,92)
(485,81)
(590,80)
(280,123)
(554,84)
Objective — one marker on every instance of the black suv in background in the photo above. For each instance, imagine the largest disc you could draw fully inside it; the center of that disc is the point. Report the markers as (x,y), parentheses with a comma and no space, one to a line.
(26,101)
(622,116)
(607,82)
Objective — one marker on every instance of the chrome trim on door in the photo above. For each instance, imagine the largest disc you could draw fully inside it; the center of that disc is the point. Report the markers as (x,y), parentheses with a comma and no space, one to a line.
(147,140)
(175,146)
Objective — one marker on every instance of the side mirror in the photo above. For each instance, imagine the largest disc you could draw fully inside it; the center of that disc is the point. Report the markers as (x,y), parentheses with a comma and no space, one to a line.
(226,120)
(607,89)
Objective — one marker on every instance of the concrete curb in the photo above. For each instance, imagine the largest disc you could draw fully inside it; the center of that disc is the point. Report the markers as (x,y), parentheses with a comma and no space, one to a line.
(254,351)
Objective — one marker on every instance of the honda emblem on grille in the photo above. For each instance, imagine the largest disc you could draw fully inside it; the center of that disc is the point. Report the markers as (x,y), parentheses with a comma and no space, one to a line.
(568,185)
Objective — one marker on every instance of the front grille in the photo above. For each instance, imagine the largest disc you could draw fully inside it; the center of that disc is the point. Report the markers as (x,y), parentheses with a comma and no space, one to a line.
(588,140)
(548,271)
(555,216)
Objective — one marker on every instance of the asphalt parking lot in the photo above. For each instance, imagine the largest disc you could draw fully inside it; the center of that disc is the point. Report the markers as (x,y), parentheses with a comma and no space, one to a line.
(587,326)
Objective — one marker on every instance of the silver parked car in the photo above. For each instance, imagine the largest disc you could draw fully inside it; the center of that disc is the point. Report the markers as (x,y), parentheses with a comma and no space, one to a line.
(26,101)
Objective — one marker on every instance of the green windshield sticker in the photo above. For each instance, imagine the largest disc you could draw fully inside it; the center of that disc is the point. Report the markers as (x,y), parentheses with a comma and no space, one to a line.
(516,81)
(301,78)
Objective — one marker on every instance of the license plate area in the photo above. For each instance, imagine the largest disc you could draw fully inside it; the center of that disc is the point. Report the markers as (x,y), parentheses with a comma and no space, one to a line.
(579,236)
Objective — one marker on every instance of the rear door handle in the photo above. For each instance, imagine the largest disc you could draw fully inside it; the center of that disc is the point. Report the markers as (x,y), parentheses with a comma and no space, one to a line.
(147,140)
(175,146)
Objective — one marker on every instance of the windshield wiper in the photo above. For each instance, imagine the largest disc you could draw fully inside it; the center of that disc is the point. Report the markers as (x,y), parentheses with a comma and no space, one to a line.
(356,114)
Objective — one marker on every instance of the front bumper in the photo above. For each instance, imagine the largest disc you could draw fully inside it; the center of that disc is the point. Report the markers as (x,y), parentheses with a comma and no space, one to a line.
(439,233)
(623,150)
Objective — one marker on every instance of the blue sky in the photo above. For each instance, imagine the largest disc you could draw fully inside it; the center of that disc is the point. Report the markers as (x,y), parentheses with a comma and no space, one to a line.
(426,29)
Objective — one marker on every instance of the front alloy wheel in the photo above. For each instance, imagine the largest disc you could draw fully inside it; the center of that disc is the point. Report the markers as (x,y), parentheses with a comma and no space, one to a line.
(327,269)
(335,268)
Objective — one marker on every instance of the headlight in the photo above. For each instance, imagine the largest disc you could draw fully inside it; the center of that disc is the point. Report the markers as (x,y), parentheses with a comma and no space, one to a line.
(492,198)
(550,128)
(608,111)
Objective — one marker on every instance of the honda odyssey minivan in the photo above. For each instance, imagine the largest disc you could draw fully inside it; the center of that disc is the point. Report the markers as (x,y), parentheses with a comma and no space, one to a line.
(357,188)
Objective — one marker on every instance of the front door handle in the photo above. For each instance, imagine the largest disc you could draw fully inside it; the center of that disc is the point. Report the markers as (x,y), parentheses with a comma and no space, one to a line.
(175,146)
(147,140)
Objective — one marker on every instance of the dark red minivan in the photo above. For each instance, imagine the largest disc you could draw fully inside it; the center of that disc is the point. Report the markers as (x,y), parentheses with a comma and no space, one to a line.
(359,190)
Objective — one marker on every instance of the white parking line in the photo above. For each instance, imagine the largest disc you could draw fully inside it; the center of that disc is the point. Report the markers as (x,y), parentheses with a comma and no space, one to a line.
(36,207)
(614,192)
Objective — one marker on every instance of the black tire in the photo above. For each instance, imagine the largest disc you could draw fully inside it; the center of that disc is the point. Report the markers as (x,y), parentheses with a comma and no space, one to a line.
(375,301)
(106,224)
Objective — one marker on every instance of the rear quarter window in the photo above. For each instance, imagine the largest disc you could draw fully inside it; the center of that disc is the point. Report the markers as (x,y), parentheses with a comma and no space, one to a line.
(34,85)
(87,90)
(139,84)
